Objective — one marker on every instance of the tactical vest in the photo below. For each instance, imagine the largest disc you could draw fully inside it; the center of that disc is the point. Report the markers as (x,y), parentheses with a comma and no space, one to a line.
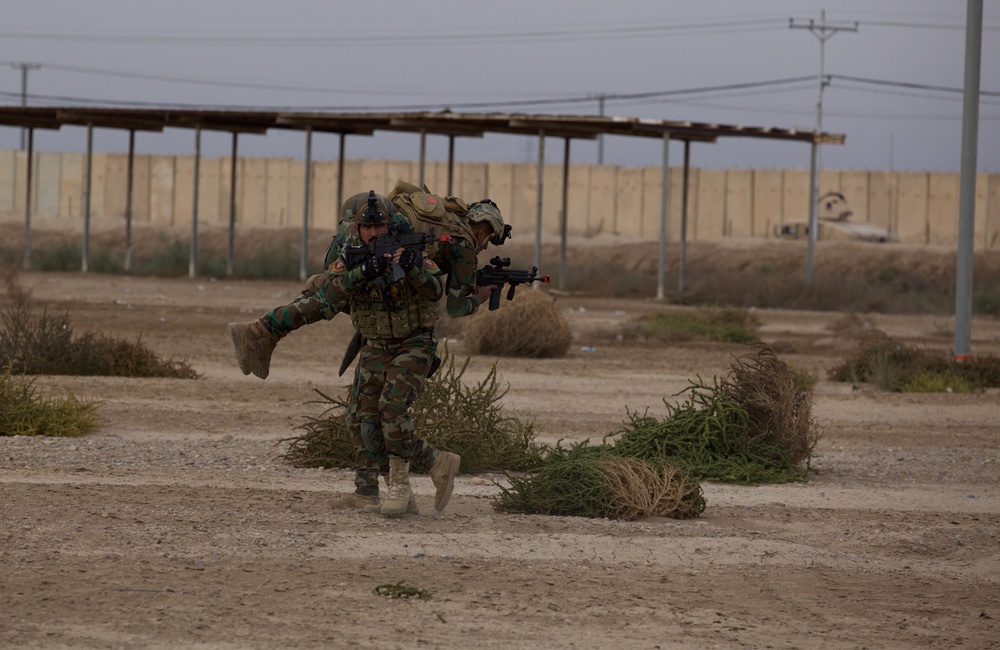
(392,312)
(424,210)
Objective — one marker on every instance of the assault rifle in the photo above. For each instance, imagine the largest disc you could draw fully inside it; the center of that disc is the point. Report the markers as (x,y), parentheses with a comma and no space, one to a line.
(399,236)
(497,274)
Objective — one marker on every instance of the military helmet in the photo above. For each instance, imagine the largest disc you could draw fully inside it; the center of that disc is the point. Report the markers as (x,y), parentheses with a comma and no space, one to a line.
(367,208)
(486,210)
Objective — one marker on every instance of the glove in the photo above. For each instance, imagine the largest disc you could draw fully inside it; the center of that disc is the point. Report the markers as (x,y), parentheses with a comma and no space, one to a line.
(373,267)
(409,258)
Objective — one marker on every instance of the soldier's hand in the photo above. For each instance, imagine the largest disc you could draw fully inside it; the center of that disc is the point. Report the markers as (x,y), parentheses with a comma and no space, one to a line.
(483,292)
(408,258)
(373,267)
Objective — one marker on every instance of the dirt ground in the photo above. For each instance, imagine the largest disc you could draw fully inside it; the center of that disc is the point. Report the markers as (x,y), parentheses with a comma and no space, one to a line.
(177,524)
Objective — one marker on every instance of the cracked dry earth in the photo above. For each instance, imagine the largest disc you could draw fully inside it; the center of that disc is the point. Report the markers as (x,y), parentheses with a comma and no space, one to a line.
(176,523)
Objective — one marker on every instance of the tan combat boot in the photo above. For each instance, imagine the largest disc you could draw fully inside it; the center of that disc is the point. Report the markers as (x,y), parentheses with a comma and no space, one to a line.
(397,502)
(376,507)
(254,344)
(443,473)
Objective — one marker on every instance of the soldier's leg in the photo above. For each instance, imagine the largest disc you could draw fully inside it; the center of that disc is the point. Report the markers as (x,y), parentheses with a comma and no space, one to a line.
(255,340)
(370,380)
(404,379)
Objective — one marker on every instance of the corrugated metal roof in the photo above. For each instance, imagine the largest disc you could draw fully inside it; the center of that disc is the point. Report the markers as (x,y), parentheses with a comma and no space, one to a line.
(443,123)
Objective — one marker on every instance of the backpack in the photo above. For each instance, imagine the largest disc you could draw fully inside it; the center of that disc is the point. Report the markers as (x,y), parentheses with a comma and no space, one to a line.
(424,210)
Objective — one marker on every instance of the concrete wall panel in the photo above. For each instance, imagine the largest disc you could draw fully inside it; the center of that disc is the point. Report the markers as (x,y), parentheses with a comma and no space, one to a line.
(471,183)
(251,188)
(795,205)
(711,220)
(854,186)
(579,205)
(398,170)
(500,188)
(920,207)
(7,179)
(210,191)
(184,190)
(524,197)
(628,204)
(325,203)
(882,200)
(913,226)
(372,176)
(277,195)
(942,208)
(115,184)
(98,174)
(603,199)
(768,201)
(71,178)
(48,171)
(992,234)
(739,203)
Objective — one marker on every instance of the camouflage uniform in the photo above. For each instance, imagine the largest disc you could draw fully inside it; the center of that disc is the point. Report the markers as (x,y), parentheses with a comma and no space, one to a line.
(397,320)
(456,258)
(321,301)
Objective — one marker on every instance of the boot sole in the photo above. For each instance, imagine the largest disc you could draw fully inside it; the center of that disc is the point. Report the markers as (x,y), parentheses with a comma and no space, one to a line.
(441,503)
(235,334)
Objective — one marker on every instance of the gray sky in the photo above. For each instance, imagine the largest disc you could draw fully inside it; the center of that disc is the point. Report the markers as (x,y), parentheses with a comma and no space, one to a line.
(892,85)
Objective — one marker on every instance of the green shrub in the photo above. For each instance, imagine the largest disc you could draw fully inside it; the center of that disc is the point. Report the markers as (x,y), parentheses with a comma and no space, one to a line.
(891,365)
(24,412)
(753,426)
(925,381)
(448,415)
(725,325)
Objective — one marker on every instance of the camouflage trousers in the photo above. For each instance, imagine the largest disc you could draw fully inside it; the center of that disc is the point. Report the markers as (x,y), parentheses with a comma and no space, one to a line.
(386,383)
(310,307)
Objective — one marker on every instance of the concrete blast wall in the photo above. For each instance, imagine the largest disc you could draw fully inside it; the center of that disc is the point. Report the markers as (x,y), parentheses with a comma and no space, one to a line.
(920,207)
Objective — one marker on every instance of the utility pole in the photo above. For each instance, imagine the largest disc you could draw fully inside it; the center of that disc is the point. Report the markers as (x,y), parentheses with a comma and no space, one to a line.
(967,181)
(600,138)
(25,67)
(824,31)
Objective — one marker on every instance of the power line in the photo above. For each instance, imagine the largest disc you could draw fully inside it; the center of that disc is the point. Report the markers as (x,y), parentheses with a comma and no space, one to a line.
(487,104)
(905,84)
(401,39)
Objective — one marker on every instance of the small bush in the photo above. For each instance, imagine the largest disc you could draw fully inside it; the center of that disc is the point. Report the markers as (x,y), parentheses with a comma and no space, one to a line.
(931,382)
(753,426)
(725,325)
(45,345)
(602,485)
(528,326)
(449,415)
(24,412)
(894,366)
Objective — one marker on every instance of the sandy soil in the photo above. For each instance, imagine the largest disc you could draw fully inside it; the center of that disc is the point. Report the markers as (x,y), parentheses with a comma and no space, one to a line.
(177,524)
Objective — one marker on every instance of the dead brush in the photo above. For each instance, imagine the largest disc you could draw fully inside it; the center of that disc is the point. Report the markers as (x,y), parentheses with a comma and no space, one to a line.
(449,415)
(753,426)
(584,481)
(528,326)
(46,345)
(778,408)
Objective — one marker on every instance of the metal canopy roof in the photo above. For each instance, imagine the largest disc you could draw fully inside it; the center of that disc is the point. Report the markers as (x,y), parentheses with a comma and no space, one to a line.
(443,123)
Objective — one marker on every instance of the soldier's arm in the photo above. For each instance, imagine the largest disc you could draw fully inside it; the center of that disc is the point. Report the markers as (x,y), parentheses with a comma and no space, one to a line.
(426,280)
(461,288)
